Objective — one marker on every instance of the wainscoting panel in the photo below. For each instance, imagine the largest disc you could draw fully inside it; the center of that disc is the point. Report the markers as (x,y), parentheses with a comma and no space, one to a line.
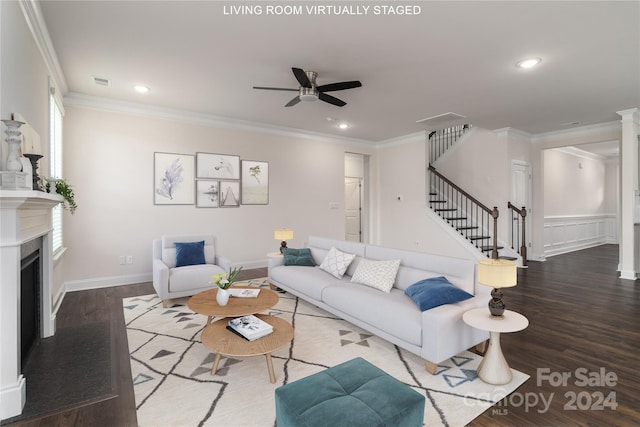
(564,234)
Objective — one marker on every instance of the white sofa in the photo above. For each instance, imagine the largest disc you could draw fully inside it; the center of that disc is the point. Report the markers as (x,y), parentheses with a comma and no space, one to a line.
(172,282)
(435,334)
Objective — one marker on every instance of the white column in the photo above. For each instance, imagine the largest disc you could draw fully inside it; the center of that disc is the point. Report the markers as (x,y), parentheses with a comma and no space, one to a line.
(12,383)
(629,187)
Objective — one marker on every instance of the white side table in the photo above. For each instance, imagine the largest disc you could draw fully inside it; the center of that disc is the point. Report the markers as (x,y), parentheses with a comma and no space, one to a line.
(494,368)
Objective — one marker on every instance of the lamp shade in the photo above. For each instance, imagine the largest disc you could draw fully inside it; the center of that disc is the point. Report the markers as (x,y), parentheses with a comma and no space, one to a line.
(498,273)
(283,234)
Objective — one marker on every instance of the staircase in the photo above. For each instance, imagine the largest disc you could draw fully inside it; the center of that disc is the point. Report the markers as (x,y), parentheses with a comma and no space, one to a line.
(440,141)
(470,218)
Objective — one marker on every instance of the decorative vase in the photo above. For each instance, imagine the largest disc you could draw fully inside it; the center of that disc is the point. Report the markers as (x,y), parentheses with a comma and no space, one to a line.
(14,141)
(222,297)
(33,158)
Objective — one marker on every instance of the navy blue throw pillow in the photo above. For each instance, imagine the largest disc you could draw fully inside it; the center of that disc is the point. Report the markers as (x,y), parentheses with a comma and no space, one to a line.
(434,292)
(301,257)
(189,253)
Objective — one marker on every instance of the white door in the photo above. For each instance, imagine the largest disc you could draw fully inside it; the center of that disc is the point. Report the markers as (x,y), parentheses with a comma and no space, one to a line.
(353,209)
(521,197)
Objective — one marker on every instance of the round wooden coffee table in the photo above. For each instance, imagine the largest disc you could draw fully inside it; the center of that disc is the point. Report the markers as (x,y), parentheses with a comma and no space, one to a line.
(217,338)
(205,303)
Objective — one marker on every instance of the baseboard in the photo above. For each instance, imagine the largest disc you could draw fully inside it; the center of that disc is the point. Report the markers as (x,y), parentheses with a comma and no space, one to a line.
(106,282)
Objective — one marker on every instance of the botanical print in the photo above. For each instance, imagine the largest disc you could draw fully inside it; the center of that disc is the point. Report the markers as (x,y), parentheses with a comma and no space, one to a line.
(173,179)
(229,194)
(207,193)
(220,166)
(255,183)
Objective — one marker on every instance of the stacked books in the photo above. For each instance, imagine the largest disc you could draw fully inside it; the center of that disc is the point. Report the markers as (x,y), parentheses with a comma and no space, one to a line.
(244,293)
(250,327)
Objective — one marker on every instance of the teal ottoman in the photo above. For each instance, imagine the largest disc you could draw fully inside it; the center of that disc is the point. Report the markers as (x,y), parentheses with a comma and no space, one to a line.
(353,393)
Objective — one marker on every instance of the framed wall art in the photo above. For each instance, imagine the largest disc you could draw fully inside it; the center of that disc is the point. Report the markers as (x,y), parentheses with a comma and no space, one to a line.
(173,176)
(255,182)
(207,193)
(217,166)
(229,194)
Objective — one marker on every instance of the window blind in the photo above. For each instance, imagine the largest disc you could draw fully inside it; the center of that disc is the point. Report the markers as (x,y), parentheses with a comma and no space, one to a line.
(55,165)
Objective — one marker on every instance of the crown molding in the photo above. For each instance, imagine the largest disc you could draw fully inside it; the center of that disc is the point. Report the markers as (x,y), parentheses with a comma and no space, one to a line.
(509,131)
(79,100)
(38,27)
(402,140)
(591,131)
(578,152)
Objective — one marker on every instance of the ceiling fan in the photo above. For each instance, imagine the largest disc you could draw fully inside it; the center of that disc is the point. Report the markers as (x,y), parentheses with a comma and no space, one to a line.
(309,91)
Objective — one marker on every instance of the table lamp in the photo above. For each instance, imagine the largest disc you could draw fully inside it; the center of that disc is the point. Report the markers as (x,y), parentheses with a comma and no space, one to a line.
(497,273)
(283,234)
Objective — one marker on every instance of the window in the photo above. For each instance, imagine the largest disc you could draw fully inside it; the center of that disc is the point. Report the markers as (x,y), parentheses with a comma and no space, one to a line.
(55,161)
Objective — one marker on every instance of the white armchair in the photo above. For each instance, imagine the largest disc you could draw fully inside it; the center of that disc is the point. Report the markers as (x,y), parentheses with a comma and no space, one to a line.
(170,281)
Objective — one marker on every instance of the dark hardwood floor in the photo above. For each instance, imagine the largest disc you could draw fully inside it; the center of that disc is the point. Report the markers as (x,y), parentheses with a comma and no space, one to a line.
(583,323)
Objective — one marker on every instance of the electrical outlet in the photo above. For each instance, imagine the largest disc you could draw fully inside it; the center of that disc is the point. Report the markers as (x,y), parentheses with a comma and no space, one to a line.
(129,259)
(122,260)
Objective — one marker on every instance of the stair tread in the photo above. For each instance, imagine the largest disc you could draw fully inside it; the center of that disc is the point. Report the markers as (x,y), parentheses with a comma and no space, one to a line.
(478,237)
(456,218)
(490,248)
(437,201)
(445,210)
(468,227)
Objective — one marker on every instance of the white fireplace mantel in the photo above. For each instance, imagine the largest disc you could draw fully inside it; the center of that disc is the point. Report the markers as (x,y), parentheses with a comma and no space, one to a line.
(24,216)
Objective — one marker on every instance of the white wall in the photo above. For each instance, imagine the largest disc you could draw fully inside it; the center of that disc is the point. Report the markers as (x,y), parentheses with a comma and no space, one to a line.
(574,184)
(405,223)
(109,161)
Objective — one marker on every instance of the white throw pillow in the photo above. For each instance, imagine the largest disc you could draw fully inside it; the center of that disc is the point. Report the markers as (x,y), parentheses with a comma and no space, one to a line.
(377,274)
(336,262)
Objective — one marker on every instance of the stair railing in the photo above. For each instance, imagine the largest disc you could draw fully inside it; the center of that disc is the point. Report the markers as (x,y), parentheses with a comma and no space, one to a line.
(441,140)
(518,231)
(476,218)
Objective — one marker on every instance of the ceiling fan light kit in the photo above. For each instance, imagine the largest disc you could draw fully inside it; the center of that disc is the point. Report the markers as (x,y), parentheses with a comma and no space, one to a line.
(309,91)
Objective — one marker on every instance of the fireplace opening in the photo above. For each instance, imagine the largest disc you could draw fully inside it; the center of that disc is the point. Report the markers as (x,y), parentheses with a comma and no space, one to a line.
(29,304)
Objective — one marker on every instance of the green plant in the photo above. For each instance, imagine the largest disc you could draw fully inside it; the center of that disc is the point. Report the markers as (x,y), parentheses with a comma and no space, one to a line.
(64,189)
(223,281)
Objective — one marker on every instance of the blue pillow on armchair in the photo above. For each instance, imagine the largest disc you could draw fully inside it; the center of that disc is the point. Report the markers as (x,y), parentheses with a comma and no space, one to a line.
(190,253)
(435,291)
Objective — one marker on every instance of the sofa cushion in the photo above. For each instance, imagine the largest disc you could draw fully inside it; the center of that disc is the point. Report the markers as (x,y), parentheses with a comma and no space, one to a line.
(392,313)
(307,281)
(301,257)
(377,274)
(192,277)
(434,292)
(336,262)
(189,253)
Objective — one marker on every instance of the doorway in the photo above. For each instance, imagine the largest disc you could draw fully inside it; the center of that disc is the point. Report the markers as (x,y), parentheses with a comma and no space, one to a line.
(356,200)
(353,209)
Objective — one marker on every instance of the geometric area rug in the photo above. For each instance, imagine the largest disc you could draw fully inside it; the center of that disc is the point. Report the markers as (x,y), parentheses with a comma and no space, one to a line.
(173,384)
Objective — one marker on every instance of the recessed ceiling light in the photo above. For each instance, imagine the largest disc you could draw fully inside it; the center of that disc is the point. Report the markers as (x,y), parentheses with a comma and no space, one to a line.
(141,88)
(528,63)
(343,125)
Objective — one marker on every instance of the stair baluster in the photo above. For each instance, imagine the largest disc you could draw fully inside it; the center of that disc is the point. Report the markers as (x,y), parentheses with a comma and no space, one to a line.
(464,213)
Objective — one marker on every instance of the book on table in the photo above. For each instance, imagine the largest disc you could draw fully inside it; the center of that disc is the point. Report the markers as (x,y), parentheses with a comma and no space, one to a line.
(250,327)
(244,293)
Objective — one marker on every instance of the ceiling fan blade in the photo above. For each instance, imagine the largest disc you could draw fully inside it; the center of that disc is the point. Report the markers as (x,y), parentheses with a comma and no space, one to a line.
(301,76)
(275,88)
(339,86)
(293,102)
(331,99)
